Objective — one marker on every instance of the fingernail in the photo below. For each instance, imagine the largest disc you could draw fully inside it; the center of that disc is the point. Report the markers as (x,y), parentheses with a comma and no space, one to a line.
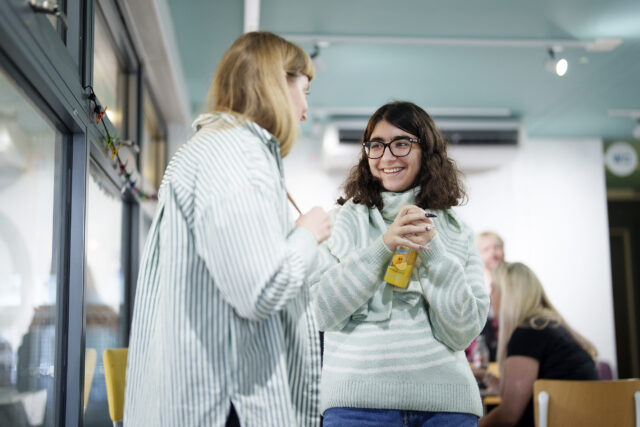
(430,227)
(424,248)
(430,215)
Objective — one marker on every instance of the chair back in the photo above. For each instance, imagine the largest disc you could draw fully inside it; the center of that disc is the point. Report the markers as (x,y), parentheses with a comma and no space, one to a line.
(587,403)
(115,368)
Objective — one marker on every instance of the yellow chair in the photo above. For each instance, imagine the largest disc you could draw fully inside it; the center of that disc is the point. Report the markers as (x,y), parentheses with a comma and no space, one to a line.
(90,356)
(494,369)
(587,403)
(115,368)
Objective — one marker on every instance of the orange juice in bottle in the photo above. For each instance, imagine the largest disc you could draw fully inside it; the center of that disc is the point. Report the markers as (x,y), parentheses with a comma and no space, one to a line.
(399,270)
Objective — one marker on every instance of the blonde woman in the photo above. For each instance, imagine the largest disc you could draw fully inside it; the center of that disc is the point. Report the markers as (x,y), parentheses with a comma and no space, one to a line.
(221,318)
(534,342)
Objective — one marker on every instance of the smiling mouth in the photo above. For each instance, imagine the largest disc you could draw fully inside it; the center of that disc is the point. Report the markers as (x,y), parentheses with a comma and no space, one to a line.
(392,170)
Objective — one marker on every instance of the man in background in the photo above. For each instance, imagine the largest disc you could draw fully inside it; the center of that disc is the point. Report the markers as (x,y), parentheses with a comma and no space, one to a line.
(491,248)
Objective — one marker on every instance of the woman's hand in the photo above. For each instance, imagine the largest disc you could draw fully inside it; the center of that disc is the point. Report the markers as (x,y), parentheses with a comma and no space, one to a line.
(411,228)
(317,222)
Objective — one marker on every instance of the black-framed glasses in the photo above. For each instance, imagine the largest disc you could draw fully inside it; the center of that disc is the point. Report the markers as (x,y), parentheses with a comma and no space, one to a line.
(399,147)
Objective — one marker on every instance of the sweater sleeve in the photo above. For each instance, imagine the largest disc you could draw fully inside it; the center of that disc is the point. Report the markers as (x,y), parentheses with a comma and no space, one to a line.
(256,266)
(339,289)
(457,300)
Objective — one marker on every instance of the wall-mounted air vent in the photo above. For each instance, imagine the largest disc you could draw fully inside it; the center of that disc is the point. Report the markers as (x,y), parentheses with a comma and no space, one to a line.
(475,144)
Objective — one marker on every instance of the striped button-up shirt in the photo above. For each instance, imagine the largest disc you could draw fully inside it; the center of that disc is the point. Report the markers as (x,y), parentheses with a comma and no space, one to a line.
(222,308)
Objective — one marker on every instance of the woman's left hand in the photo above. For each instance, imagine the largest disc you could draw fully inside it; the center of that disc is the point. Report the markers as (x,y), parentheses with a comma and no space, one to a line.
(421,238)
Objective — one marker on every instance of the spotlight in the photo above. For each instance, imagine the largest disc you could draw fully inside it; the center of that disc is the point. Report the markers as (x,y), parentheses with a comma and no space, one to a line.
(558,66)
(315,55)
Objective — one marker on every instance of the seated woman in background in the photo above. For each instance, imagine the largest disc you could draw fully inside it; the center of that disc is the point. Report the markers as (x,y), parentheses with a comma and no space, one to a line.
(535,342)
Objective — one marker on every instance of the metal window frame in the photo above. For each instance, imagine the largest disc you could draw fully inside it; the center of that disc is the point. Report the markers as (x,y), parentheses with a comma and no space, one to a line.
(52,65)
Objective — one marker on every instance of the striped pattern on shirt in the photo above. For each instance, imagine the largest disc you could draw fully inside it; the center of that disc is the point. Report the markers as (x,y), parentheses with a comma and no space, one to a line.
(414,359)
(222,310)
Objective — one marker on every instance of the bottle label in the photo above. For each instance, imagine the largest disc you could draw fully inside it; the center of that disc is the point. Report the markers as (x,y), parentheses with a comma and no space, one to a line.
(401,266)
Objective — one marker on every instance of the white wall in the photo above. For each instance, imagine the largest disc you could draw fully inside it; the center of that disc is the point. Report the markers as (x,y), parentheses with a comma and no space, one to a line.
(549,204)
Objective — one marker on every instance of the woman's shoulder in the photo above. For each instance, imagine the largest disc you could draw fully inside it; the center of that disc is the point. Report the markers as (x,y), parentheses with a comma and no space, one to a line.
(222,154)
(452,220)
(347,212)
(453,230)
(540,329)
(224,134)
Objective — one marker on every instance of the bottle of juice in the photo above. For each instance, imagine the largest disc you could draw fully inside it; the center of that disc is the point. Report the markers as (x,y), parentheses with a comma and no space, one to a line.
(399,270)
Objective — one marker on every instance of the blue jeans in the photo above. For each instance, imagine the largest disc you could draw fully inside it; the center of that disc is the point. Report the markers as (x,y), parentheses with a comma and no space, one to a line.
(359,417)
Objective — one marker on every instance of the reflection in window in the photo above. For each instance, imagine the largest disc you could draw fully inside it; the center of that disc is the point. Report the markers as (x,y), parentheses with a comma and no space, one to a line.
(105,314)
(153,160)
(153,150)
(108,75)
(29,152)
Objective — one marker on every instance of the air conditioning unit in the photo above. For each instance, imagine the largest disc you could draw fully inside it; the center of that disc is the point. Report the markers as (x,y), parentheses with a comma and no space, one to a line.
(475,144)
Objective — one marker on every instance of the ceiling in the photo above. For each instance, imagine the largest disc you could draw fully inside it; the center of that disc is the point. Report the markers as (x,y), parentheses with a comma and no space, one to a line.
(363,75)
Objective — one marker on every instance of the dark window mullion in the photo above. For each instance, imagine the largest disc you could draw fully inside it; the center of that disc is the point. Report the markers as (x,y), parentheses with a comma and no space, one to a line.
(86,63)
(136,214)
(76,284)
(62,197)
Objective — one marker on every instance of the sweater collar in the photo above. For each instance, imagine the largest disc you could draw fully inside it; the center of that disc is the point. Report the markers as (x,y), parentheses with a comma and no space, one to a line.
(232,120)
(393,202)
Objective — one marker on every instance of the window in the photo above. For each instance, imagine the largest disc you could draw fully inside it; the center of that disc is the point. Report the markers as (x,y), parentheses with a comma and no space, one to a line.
(153,150)
(104,289)
(108,74)
(153,159)
(69,238)
(29,152)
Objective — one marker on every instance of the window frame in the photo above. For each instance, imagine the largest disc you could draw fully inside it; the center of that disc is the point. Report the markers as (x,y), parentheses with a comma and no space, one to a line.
(53,66)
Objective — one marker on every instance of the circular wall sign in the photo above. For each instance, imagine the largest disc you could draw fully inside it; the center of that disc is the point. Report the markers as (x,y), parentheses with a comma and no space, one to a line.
(621,159)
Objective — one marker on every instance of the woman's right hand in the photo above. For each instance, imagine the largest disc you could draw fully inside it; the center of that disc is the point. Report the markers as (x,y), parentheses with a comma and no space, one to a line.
(317,222)
(410,221)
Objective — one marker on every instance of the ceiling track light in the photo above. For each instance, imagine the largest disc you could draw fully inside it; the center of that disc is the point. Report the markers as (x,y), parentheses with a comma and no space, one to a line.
(558,66)
(318,62)
(315,52)
(593,45)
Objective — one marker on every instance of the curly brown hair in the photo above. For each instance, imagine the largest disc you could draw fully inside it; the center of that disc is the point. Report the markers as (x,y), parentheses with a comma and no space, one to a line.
(439,179)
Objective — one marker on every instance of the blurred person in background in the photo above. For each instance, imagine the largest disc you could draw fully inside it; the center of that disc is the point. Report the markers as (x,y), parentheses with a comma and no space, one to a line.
(535,343)
(491,249)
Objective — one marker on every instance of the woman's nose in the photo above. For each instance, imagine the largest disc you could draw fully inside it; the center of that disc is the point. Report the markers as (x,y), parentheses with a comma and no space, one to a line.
(388,154)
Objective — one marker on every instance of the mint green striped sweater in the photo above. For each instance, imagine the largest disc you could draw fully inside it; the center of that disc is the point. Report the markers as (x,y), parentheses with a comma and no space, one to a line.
(389,348)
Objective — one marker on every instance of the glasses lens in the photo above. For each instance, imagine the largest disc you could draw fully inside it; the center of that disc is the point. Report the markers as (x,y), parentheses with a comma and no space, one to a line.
(400,147)
(375,149)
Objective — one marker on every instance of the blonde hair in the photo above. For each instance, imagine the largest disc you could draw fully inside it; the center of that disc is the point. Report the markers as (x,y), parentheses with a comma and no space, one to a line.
(250,83)
(490,234)
(523,302)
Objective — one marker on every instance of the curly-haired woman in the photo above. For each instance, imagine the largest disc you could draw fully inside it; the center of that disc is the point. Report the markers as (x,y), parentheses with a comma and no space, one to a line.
(395,356)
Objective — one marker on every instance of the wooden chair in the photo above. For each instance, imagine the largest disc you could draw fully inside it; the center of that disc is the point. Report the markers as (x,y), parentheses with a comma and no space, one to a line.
(115,368)
(587,403)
